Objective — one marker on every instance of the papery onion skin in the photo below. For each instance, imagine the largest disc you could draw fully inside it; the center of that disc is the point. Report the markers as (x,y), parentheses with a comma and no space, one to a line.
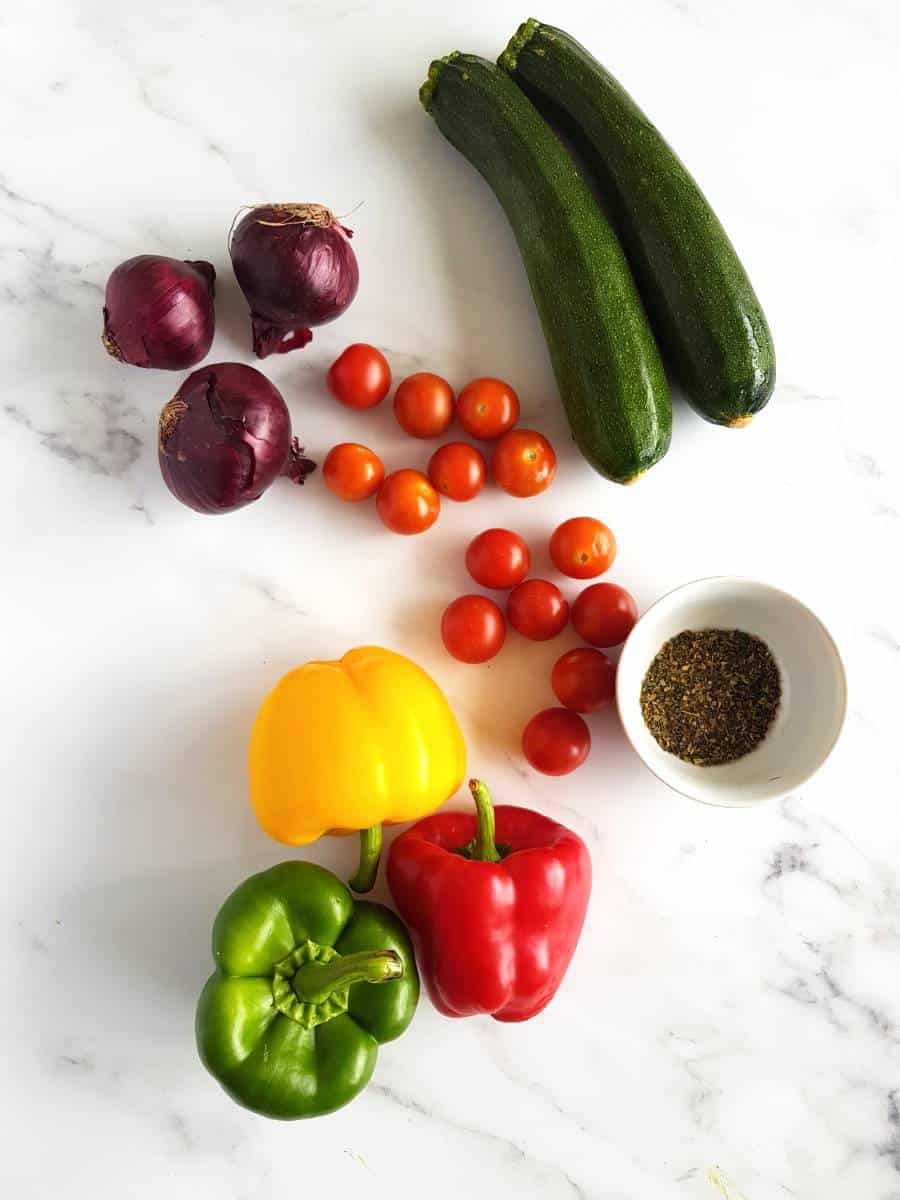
(296,267)
(225,437)
(159,312)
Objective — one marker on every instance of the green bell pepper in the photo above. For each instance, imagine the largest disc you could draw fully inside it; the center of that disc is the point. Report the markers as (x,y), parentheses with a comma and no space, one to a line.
(291,1020)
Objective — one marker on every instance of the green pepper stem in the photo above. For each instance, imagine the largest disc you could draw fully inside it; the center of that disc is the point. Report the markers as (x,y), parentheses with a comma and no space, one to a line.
(484,847)
(314,982)
(369,855)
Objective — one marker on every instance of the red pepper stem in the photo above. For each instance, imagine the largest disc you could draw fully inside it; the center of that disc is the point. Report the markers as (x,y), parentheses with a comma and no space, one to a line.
(369,855)
(484,847)
(314,982)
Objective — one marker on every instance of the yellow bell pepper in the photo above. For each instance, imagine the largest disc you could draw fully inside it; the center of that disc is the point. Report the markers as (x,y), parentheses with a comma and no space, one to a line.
(350,744)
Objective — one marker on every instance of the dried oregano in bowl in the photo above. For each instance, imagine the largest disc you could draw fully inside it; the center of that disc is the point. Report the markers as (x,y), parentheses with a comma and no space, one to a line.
(710,696)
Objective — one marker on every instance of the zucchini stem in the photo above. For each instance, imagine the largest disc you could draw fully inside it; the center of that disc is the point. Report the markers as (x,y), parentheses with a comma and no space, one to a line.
(426,91)
(509,59)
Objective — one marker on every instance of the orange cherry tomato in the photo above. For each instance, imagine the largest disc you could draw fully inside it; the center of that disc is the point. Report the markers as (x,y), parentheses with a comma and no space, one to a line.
(353,472)
(582,547)
(486,408)
(423,405)
(584,679)
(407,503)
(457,471)
(473,629)
(360,377)
(498,558)
(523,462)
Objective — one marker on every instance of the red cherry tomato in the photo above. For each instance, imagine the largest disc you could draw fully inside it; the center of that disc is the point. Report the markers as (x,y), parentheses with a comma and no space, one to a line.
(604,614)
(423,405)
(487,407)
(458,471)
(498,558)
(582,547)
(523,462)
(473,629)
(584,679)
(537,609)
(353,472)
(407,503)
(556,741)
(360,377)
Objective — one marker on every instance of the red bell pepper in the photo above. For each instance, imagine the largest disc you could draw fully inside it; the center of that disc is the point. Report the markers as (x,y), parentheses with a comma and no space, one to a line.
(495,916)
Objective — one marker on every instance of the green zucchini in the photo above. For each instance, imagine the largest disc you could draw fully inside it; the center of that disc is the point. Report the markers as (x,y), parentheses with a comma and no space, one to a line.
(702,307)
(606,362)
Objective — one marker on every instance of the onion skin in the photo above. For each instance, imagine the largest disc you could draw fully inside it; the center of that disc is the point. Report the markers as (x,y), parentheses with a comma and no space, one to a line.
(296,267)
(159,312)
(225,437)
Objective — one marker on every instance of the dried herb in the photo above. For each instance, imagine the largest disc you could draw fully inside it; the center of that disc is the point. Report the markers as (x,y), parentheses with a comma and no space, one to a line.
(710,696)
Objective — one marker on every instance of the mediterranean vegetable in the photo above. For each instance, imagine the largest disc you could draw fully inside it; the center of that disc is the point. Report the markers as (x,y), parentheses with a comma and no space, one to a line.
(582,547)
(584,679)
(225,437)
(347,745)
(458,471)
(604,614)
(701,304)
(353,472)
(495,904)
(556,741)
(537,609)
(307,986)
(607,366)
(296,267)
(473,629)
(423,405)
(360,377)
(487,407)
(407,503)
(158,312)
(498,558)
(523,462)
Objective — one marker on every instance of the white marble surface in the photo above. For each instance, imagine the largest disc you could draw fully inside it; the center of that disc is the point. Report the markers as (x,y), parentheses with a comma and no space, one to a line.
(733,1012)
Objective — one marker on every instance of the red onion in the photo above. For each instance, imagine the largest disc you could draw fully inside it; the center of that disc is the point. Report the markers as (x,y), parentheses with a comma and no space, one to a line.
(159,312)
(224,437)
(295,265)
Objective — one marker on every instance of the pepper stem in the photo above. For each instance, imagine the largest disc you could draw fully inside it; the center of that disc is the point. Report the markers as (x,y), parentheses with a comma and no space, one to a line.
(369,855)
(484,847)
(314,982)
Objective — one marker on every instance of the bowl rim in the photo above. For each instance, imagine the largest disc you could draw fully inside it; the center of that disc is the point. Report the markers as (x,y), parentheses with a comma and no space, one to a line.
(770,587)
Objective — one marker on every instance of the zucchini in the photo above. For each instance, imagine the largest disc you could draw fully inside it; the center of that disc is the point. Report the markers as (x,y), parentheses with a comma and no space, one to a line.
(606,362)
(702,307)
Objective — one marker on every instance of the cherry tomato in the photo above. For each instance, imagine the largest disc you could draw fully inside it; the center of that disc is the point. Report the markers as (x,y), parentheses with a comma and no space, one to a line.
(473,629)
(537,609)
(498,558)
(584,679)
(458,471)
(487,407)
(556,741)
(604,614)
(523,462)
(582,547)
(353,472)
(360,377)
(407,503)
(423,405)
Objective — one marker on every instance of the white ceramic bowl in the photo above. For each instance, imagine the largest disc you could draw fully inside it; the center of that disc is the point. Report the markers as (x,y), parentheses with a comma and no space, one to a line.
(813,688)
